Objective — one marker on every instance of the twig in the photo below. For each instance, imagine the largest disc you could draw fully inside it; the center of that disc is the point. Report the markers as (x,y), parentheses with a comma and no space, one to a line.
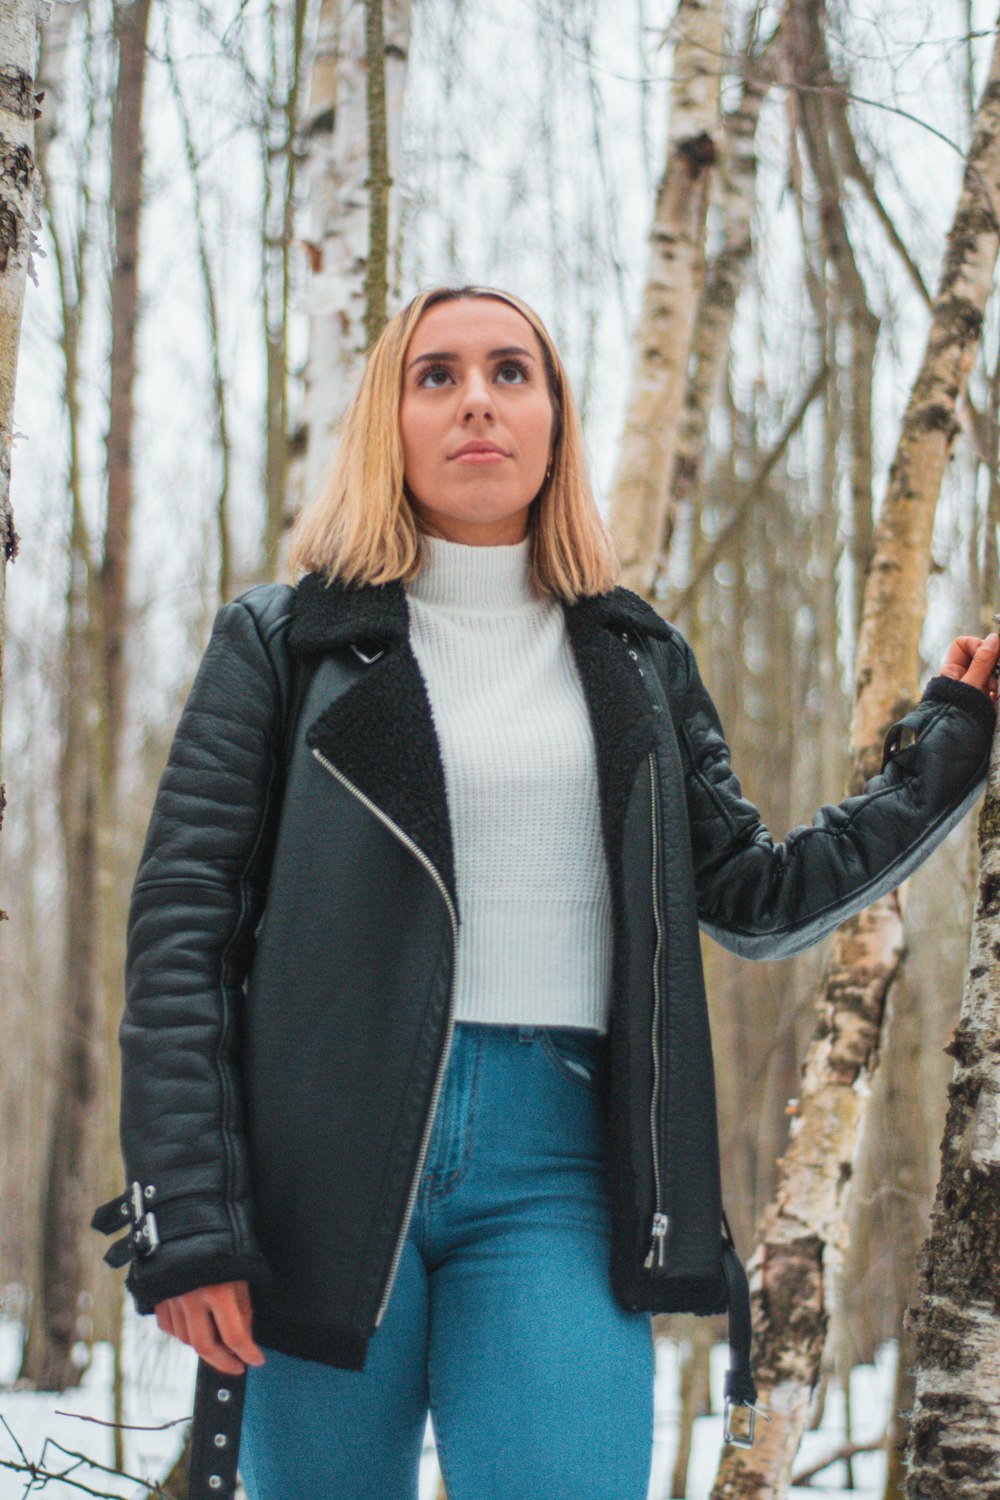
(40,1476)
(749,492)
(125,1426)
(847,1450)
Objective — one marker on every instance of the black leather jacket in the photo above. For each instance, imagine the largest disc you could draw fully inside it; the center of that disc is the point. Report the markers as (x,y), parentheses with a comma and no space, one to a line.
(281,1064)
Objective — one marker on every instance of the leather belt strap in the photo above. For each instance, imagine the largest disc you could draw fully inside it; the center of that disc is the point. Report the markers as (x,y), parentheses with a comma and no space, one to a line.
(215,1433)
(739,1390)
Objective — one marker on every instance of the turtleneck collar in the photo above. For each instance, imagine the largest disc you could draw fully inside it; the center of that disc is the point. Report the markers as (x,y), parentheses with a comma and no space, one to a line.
(491,579)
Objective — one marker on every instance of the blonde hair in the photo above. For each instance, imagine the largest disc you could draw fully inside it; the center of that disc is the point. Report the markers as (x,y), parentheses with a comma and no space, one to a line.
(362,528)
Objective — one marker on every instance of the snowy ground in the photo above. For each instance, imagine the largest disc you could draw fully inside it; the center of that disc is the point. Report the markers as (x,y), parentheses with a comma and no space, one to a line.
(161,1383)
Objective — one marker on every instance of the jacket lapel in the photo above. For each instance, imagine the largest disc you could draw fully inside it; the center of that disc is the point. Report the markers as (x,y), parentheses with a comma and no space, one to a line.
(379,731)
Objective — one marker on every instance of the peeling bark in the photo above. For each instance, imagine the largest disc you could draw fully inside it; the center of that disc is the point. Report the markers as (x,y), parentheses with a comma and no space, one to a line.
(953,1447)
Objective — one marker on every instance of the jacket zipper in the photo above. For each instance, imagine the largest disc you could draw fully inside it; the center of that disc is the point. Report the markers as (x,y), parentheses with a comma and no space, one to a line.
(661,1223)
(453,918)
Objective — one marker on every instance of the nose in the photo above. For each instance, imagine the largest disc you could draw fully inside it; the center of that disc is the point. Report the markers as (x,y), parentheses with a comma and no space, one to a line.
(477,398)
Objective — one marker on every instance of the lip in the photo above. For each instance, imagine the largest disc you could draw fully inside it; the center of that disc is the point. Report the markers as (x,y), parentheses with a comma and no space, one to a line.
(480,451)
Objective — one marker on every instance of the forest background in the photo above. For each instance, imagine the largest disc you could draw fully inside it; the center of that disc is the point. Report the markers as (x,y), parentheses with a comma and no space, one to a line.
(204,275)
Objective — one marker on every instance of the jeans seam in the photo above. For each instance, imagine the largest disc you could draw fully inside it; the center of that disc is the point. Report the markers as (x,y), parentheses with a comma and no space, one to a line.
(439,1189)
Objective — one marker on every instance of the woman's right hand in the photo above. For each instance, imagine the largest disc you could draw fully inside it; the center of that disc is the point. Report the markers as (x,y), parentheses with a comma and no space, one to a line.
(215,1321)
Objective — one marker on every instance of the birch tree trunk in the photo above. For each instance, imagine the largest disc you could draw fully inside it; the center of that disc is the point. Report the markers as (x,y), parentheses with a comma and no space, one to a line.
(717,303)
(641,487)
(20,189)
(953,1446)
(379,182)
(335,135)
(801,1237)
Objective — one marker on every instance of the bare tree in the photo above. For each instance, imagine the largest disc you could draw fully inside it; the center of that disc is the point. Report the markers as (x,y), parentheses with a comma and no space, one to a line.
(96,631)
(640,489)
(800,1238)
(710,338)
(337,131)
(19,192)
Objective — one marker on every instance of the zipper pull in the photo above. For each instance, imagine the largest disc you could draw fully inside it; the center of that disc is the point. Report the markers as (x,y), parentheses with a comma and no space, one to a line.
(661,1224)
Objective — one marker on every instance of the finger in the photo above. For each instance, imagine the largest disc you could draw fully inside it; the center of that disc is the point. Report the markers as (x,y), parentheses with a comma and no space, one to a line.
(205,1339)
(983,663)
(179,1320)
(164,1317)
(233,1322)
(960,654)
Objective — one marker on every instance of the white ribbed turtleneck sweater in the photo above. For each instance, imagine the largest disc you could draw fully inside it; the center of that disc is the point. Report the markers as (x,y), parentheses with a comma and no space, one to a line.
(521,780)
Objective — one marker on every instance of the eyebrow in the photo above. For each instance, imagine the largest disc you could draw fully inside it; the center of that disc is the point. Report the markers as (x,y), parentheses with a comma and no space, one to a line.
(450,358)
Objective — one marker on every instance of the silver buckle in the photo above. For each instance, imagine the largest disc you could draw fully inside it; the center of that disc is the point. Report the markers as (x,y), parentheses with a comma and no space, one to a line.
(369,659)
(739,1440)
(145,1236)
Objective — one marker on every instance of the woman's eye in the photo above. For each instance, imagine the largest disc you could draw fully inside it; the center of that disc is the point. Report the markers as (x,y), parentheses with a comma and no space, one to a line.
(519,370)
(425,378)
(510,368)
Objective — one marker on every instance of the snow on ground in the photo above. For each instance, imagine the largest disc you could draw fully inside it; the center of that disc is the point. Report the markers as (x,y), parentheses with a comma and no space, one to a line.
(160,1385)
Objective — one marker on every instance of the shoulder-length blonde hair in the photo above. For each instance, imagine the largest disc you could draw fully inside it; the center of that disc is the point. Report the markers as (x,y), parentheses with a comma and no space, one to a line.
(362,528)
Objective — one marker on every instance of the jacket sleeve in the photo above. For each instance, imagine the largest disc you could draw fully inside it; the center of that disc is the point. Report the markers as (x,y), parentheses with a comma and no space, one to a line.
(766,900)
(193,910)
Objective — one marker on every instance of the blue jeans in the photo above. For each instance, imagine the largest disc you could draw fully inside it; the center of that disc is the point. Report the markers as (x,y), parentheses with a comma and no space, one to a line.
(501,1321)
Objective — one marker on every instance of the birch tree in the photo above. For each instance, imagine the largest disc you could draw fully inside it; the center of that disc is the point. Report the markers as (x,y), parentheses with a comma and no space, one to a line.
(800,1239)
(717,304)
(953,1444)
(640,488)
(19,192)
(335,133)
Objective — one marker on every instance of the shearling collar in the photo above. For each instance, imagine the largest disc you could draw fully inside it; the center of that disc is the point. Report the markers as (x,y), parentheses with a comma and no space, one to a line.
(326,617)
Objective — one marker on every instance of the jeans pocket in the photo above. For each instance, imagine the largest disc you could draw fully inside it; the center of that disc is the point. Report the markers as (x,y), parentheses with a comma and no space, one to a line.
(574,1052)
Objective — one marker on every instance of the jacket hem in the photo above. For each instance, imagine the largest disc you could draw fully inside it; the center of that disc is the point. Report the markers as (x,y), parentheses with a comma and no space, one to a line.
(345,1348)
(638,1291)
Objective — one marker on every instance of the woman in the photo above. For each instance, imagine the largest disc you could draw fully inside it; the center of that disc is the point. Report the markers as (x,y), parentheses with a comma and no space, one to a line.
(435,1127)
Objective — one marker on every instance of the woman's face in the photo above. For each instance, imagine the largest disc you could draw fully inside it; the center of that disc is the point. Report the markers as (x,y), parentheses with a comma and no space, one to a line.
(473,374)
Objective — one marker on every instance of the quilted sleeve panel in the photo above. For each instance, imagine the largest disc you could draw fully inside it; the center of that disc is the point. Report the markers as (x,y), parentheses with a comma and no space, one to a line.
(763,899)
(190,930)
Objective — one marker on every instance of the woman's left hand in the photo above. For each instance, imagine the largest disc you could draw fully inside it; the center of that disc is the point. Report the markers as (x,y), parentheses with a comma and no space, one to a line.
(974,660)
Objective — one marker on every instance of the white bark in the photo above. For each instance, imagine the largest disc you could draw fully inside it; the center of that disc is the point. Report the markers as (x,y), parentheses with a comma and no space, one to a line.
(953,1451)
(335,130)
(640,490)
(20,188)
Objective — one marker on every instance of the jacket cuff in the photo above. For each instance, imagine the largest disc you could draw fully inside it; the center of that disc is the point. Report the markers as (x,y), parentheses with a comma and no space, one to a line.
(963,695)
(208,1269)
